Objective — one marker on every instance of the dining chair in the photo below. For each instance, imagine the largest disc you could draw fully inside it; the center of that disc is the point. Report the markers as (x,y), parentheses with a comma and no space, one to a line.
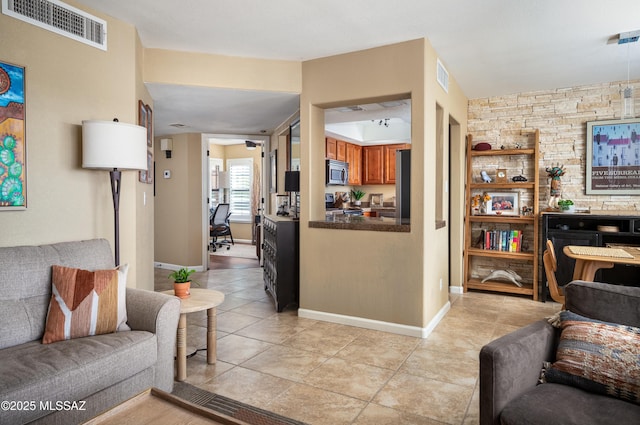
(550,267)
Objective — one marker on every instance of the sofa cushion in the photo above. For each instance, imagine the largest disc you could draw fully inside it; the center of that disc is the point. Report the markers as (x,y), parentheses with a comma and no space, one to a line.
(597,356)
(72,370)
(25,283)
(561,404)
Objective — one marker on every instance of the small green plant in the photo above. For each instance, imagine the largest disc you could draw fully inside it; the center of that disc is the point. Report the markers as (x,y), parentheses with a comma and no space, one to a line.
(181,275)
(564,204)
(357,194)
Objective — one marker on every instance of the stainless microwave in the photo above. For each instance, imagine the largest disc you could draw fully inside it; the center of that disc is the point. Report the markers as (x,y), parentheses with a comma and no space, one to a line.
(337,172)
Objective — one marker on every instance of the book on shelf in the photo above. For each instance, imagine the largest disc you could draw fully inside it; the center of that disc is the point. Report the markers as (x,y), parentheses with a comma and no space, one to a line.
(502,240)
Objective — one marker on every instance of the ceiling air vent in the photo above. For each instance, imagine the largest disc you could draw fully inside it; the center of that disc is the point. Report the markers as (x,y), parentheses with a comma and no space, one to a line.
(442,76)
(53,15)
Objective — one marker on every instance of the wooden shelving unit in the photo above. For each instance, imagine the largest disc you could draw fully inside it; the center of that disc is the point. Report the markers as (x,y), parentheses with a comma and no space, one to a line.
(502,259)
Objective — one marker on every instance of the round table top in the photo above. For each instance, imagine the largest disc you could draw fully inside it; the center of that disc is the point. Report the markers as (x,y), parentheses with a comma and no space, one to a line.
(200,299)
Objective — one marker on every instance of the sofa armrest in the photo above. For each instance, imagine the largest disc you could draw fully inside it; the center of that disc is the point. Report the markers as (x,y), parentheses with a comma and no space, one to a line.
(511,365)
(159,314)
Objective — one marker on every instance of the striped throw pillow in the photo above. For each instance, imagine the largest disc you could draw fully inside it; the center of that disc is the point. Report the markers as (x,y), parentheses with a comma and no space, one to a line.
(597,356)
(85,303)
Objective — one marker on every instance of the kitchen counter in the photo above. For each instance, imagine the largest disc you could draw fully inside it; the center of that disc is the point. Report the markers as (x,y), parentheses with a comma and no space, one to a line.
(349,222)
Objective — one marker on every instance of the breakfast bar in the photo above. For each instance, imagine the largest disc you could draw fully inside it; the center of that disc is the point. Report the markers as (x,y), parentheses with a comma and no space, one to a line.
(351,222)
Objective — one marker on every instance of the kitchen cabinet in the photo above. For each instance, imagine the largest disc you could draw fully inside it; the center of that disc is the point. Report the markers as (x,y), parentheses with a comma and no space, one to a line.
(331,150)
(281,260)
(481,254)
(379,163)
(354,159)
(372,165)
(341,150)
(390,161)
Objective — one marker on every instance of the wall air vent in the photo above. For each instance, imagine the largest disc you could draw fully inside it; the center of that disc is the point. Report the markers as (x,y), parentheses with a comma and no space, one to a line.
(442,76)
(53,15)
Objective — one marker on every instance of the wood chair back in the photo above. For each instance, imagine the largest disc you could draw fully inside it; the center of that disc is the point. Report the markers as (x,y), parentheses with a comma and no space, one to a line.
(550,267)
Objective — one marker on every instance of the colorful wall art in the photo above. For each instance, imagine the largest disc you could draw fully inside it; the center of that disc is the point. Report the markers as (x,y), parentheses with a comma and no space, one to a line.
(13,158)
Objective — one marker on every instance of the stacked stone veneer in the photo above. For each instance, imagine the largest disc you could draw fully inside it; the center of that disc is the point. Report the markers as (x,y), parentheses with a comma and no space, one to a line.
(561,115)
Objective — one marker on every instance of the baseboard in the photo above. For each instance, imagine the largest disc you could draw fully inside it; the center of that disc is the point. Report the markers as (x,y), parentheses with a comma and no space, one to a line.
(377,325)
(456,290)
(168,266)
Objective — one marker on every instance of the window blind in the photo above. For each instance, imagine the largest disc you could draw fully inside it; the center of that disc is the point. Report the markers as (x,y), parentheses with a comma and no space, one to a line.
(241,182)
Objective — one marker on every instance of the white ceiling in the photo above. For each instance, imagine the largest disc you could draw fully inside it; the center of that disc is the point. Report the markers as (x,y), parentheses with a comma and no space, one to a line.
(490,47)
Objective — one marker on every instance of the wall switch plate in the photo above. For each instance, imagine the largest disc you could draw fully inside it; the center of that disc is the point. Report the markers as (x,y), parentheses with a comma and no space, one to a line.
(166,174)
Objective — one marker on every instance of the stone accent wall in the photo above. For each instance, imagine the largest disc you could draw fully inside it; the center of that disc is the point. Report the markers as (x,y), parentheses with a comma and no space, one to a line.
(561,116)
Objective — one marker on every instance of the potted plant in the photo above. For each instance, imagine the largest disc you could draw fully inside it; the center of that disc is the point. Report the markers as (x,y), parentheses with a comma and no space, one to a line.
(357,195)
(182,282)
(566,205)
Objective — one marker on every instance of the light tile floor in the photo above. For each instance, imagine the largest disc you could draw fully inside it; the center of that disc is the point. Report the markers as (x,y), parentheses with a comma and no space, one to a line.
(324,373)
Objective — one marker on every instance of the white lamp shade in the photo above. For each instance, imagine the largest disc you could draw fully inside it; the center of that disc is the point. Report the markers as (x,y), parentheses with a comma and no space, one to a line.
(109,144)
(223,180)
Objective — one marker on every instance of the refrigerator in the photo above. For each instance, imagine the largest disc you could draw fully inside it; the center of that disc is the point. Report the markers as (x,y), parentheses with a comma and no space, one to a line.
(403,183)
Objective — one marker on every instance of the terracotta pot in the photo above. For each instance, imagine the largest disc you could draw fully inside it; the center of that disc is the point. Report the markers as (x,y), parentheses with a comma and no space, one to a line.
(182,289)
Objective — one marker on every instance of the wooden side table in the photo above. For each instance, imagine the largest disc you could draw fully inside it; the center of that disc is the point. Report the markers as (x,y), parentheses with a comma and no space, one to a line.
(200,299)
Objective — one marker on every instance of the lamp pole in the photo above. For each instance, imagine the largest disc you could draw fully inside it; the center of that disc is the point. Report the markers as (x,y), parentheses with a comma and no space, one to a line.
(116,177)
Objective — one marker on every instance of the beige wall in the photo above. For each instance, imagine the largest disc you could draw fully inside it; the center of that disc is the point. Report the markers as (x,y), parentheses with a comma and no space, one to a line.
(178,202)
(67,82)
(561,116)
(389,277)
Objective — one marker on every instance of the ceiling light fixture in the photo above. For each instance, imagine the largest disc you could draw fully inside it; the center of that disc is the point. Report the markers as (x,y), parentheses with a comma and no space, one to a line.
(252,145)
(384,121)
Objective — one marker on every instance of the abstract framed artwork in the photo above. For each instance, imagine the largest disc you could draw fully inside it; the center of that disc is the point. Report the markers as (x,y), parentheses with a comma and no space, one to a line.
(13,153)
(613,157)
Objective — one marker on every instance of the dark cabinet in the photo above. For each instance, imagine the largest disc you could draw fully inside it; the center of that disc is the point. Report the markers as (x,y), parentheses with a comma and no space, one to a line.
(589,230)
(281,260)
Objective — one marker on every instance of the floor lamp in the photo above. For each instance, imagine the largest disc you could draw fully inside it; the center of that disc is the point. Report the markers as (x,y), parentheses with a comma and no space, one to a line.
(114,146)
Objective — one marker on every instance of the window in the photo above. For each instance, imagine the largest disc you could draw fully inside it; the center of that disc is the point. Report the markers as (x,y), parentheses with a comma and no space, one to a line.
(241,181)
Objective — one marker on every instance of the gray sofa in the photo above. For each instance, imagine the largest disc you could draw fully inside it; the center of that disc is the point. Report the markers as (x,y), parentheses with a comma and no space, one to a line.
(510,367)
(42,381)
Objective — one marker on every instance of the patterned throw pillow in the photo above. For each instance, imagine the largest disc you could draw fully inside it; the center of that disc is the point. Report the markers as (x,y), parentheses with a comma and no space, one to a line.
(85,303)
(597,356)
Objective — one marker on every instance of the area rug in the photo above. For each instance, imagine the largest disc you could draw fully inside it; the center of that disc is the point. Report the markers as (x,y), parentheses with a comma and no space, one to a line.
(240,250)
(235,409)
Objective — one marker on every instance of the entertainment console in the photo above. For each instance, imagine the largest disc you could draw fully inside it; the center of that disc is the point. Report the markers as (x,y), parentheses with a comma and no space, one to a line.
(590,230)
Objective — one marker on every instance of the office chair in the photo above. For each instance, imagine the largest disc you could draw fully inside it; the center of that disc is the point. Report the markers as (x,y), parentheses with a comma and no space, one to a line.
(219,227)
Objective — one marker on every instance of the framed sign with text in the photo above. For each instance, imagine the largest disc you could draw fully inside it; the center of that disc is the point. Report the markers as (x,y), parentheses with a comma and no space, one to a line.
(613,157)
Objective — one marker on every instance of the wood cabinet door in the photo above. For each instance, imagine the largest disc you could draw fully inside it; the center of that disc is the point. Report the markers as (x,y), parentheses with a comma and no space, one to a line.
(331,148)
(341,150)
(372,164)
(390,161)
(354,159)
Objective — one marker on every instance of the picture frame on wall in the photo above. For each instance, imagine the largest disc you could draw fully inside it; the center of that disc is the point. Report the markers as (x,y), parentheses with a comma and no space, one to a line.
(613,157)
(145,119)
(503,203)
(13,146)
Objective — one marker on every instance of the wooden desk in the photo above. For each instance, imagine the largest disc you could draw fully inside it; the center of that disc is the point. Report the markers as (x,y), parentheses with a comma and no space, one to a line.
(200,299)
(595,258)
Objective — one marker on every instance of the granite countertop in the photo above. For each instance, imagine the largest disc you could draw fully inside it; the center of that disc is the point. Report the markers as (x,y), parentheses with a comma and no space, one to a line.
(351,222)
